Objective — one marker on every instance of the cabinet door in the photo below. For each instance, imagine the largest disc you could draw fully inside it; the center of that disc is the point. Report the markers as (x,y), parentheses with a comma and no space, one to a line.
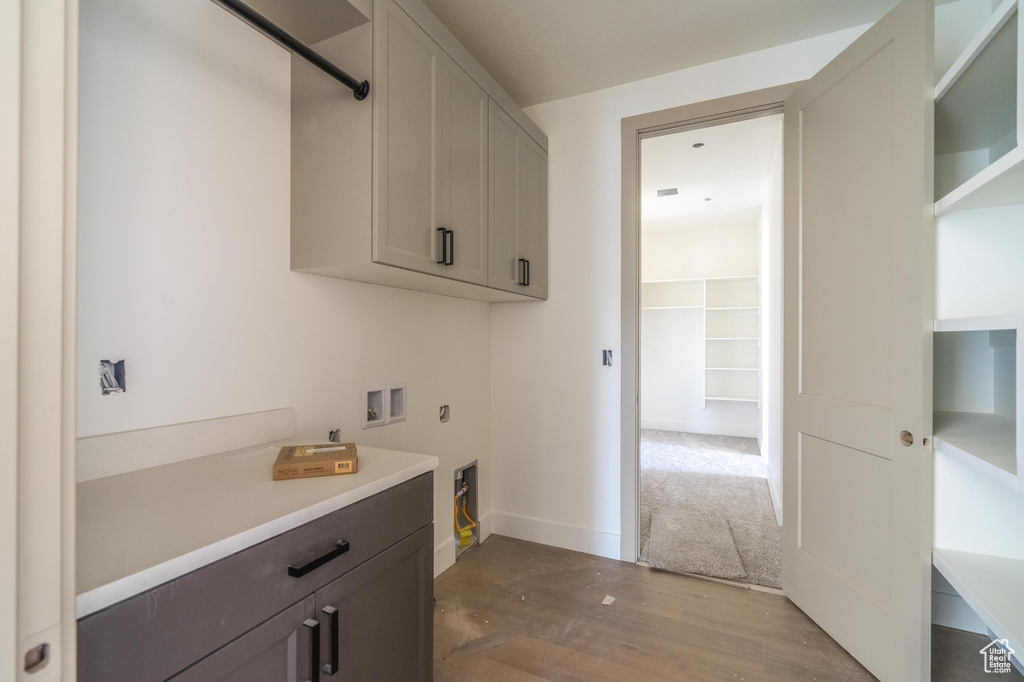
(465,174)
(384,615)
(278,649)
(505,162)
(408,115)
(533,231)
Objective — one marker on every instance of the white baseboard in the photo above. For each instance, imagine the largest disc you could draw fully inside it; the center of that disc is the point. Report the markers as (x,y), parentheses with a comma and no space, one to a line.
(700,427)
(444,556)
(118,453)
(562,535)
(950,609)
(953,612)
(485,527)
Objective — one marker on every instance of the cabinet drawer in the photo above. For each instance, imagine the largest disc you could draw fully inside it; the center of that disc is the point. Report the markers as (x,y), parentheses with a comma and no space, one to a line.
(158,633)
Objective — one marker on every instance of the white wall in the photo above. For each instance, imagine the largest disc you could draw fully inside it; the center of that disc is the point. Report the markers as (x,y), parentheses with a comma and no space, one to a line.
(771,328)
(555,410)
(701,253)
(672,381)
(184,252)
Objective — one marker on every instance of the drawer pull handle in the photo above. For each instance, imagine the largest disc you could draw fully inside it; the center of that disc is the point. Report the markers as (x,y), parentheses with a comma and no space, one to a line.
(332,640)
(299,571)
(313,626)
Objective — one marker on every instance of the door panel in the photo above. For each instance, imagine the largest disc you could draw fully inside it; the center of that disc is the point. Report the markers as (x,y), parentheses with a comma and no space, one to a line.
(276,650)
(409,138)
(465,192)
(504,198)
(847,225)
(844,492)
(385,621)
(857,538)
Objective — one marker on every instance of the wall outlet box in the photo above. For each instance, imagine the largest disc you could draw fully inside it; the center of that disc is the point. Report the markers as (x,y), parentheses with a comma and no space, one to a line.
(374,409)
(395,404)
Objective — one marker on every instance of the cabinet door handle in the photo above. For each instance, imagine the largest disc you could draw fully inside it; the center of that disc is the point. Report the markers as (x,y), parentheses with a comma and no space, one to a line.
(522,272)
(331,666)
(450,253)
(299,571)
(527,272)
(313,626)
(442,248)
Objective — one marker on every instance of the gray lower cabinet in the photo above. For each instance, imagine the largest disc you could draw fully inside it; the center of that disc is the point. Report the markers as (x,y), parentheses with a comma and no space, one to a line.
(245,617)
(383,616)
(271,652)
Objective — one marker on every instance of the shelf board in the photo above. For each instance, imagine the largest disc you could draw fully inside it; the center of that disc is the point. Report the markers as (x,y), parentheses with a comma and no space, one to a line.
(734,369)
(736,307)
(983,442)
(975,47)
(991,586)
(733,398)
(671,307)
(732,338)
(999,184)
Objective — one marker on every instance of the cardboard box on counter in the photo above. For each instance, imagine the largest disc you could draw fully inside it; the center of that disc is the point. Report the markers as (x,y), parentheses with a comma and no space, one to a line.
(308,461)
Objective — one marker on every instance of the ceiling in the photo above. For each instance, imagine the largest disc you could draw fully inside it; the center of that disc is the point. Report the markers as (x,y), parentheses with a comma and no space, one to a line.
(731,169)
(543,50)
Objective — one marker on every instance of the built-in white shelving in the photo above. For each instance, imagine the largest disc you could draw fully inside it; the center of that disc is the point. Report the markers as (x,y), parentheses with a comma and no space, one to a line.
(978,379)
(991,585)
(979,106)
(672,294)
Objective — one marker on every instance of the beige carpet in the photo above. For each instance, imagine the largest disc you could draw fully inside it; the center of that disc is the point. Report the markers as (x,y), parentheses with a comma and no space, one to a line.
(705,508)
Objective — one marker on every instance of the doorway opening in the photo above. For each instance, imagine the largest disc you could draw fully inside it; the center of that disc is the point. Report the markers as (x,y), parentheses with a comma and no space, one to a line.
(710,218)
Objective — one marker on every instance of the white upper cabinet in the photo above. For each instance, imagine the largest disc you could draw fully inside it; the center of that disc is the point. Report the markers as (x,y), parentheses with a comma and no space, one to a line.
(518,214)
(464,205)
(400,189)
(409,156)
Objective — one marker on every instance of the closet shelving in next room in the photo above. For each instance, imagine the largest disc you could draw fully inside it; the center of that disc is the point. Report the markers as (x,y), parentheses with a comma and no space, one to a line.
(979,105)
(731,340)
(732,322)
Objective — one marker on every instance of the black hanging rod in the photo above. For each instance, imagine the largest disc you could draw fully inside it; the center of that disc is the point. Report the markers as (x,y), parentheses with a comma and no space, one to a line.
(290,42)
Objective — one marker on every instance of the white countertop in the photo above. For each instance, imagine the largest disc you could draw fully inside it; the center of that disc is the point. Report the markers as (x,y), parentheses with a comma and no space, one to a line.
(141,529)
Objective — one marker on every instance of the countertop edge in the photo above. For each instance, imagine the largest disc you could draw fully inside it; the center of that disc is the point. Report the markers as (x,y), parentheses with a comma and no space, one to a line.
(107,595)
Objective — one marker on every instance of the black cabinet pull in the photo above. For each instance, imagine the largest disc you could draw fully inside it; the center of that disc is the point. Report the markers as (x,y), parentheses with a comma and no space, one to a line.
(299,571)
(443,248)
(450,257)
(314,648)
(331,666)
(527,272)
(522,272)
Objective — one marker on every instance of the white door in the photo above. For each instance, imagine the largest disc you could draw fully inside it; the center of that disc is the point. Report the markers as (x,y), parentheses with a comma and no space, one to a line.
(38,56)
(858,311)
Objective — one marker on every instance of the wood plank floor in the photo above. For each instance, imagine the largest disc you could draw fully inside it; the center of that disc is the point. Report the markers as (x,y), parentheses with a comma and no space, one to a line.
(515,610)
